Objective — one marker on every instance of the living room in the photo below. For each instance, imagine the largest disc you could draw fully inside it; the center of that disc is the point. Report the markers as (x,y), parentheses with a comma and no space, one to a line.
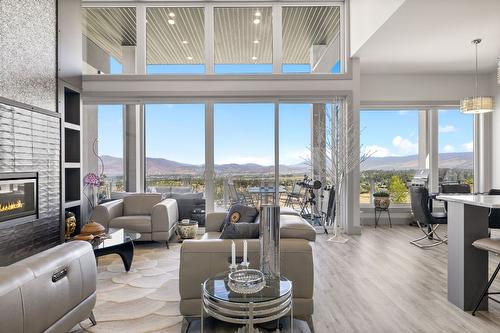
(249,166)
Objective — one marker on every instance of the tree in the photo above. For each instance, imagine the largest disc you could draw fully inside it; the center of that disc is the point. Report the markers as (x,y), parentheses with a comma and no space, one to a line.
(398,190)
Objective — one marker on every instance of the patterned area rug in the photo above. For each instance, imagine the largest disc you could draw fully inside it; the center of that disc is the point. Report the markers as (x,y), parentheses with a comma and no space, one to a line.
(146,299)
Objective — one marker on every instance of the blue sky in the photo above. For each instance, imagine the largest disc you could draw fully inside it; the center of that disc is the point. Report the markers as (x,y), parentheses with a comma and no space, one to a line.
(395,133)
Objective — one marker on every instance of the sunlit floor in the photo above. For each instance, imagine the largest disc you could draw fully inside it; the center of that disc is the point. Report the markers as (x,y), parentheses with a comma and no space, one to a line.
(376,282)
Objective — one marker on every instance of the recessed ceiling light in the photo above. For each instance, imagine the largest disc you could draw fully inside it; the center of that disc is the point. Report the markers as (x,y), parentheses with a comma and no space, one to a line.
(171,14)
(185,42)
(170,21)
(258,14)
(189,58)
(256,21)
(256,41)
(254,58)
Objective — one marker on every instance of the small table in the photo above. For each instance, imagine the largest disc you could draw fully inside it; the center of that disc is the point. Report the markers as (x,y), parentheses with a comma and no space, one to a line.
(118,241)
(271,303)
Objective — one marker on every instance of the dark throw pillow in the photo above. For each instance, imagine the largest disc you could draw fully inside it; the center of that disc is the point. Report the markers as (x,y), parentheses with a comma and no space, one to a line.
(240,223)
(241,230)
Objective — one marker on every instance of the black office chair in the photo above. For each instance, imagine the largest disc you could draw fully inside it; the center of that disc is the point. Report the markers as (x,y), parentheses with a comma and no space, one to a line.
(494,215)
(454,189)
(420,206)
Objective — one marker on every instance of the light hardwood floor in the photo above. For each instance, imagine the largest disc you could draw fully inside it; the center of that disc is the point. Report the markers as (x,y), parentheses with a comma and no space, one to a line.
(376,282)
(379,282)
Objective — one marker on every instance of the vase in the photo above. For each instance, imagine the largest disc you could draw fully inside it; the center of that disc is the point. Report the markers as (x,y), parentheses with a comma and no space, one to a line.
(270,241)
(382,202)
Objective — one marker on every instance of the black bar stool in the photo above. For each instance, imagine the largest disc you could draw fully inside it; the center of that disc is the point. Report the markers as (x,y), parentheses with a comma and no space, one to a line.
(490,245)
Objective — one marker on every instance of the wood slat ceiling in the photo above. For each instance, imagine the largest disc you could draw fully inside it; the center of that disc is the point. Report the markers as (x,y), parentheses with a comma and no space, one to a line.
(110,28)
(235,33)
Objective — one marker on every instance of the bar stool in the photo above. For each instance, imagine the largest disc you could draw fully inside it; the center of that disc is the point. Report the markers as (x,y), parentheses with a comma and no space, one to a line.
(490,245)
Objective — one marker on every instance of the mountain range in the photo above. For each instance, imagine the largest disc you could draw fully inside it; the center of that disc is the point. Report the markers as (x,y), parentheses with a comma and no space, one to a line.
(160,166)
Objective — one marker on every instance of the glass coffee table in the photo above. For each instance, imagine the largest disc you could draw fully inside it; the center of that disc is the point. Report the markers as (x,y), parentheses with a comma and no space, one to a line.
(117,241)
(271,303)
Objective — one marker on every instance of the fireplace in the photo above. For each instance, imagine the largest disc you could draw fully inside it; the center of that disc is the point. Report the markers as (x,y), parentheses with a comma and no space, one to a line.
(18,197)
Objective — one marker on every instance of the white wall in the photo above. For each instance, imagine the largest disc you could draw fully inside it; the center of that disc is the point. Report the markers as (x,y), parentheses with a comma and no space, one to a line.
(496,135)
(367,16)
(419,89)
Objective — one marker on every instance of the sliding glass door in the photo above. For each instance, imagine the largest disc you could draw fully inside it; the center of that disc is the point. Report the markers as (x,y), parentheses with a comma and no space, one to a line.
(175,148)
(243,153)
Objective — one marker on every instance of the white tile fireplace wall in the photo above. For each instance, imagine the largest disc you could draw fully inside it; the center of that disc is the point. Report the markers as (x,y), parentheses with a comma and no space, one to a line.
(30,142)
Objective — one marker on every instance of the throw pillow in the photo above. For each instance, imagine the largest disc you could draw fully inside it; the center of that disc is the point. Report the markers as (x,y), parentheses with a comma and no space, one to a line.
(241,230)
(240,213)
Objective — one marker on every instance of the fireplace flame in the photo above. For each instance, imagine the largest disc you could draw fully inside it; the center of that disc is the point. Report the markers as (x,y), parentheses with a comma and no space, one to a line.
(11,206)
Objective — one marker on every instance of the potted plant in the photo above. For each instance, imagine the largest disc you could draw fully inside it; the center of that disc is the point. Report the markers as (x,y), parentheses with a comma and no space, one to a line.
(381,200)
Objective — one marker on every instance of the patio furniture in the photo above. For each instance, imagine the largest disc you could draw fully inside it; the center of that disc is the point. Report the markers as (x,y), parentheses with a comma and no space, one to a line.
(293,197)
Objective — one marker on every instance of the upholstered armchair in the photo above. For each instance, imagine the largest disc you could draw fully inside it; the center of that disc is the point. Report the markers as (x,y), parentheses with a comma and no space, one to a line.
(145,213)
(51,291)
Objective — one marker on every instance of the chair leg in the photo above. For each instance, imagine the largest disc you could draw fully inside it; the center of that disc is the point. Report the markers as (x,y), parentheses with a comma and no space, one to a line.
(92,318)
(168,246)
(428,234)
(485,291)
(390,221)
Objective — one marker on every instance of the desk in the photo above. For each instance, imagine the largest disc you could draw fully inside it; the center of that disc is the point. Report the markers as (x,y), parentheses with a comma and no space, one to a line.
(467,266)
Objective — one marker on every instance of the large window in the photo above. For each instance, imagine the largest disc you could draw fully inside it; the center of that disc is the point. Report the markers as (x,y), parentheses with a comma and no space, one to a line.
(243,153)
(109,39)
(295,150)
(311,39)
(175,148)
(175,40)
(110,148)
(243,40)
(456,159)
(391,140)
(240,40)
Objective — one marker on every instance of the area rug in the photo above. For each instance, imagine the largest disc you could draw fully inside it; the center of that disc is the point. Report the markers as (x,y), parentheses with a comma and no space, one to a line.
(146,299)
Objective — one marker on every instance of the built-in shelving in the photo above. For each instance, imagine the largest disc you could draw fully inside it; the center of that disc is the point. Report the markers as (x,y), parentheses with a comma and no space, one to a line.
(70,103)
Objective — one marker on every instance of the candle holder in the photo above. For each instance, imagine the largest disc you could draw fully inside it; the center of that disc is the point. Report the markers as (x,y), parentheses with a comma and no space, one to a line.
(233,268)
(245,265)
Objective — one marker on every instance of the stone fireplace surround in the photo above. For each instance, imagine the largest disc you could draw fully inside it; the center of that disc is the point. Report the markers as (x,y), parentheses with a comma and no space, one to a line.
(30,142)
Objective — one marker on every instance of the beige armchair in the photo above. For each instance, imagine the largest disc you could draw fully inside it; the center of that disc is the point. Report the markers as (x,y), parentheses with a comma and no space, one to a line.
(51,291)
(209,256)
(145,213)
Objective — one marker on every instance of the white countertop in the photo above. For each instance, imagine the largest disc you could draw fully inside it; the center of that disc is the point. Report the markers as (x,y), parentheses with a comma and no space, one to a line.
(489,201)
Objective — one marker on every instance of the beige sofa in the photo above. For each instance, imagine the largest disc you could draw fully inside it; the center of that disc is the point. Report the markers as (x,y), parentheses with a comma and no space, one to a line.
(145,213)
(51,291)
(209,256)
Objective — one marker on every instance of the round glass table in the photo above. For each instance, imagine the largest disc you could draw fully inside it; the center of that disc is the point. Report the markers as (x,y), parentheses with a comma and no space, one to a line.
(271,303)
(119,241)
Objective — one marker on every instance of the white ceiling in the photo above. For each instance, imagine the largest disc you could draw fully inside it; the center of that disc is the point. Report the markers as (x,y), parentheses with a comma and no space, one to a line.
(433,36)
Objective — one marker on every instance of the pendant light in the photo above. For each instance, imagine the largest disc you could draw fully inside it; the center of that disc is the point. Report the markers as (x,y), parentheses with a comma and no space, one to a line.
(477,104)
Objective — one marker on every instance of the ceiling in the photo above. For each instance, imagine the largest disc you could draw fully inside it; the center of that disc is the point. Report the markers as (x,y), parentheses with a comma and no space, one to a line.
(234,33)
(434,36)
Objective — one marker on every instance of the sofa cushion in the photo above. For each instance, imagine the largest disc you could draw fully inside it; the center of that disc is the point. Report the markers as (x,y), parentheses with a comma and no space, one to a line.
(292,226)
(137,223)
(140,203)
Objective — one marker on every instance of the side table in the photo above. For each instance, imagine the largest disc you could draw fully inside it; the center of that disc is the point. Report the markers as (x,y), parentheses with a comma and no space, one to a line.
(271,303)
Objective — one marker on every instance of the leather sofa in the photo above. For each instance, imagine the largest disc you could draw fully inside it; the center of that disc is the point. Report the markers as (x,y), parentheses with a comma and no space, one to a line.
(155,219)
(210,256)
(51,291)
